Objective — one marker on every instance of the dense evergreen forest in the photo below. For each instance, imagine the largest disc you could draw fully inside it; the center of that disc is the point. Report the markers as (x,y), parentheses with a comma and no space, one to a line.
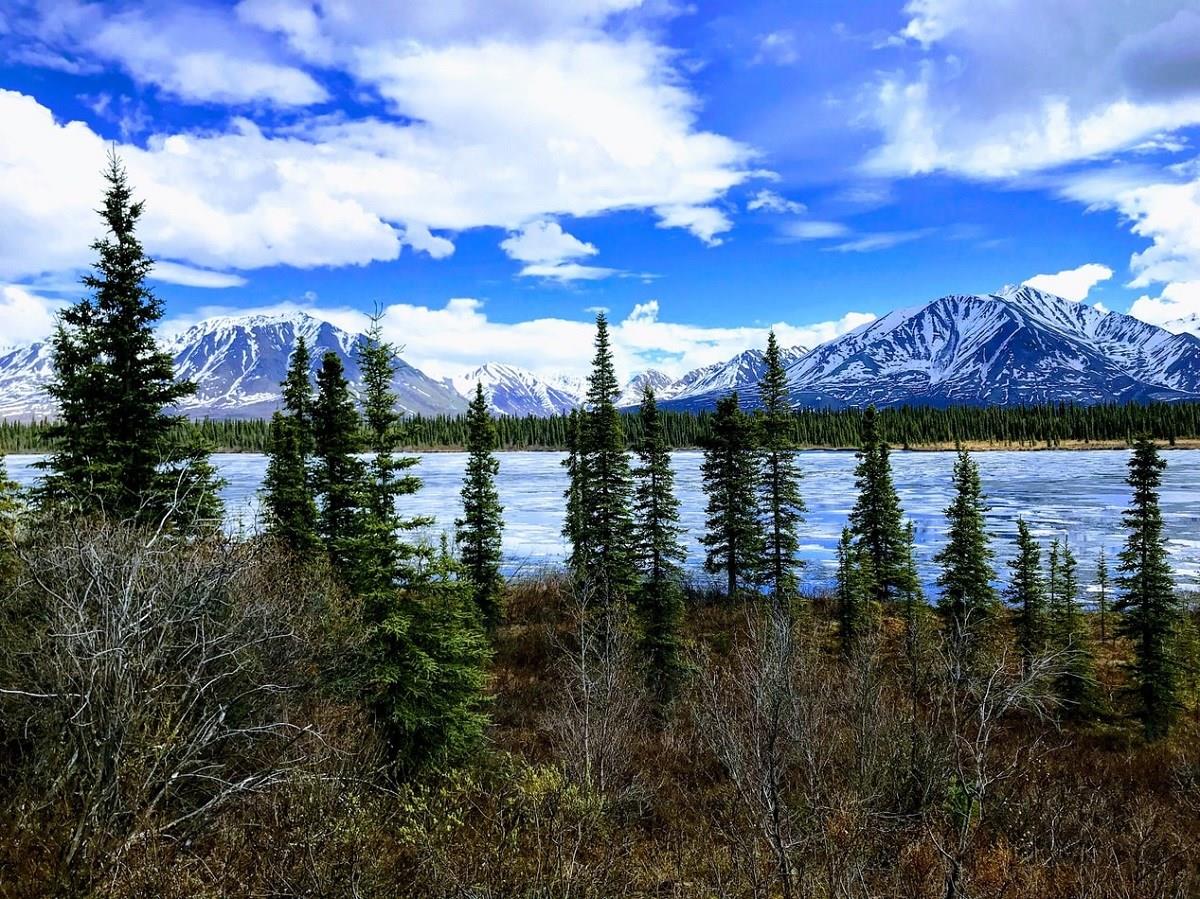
(1016,427)
(335,708)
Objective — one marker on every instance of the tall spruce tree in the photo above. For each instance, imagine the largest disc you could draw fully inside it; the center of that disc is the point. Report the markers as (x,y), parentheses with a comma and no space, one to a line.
(781,506)
(607,524)
(426,650)
(658,551)
(876,519)
(1067,631)
(852,592)
(968,600)
(383,556)
(1147,603)
(479,528)
(287,486)
(1027,591)
(118,452)
(733,536)
(1102,586)
(576,493)
(338,473)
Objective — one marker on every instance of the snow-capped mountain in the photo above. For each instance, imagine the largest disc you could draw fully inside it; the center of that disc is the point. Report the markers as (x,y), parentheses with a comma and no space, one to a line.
(1189,324)
(661,382)
(24,373)
(515,391)
(1016,346)
(237,363)
(702,387)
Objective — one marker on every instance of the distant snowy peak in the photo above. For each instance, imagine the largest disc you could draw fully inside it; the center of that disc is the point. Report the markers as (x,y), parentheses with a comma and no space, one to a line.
(515,391)
(1189,324)
(660,382)
(703,386)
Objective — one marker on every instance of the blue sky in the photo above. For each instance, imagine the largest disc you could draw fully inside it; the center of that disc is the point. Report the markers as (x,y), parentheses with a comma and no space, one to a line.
(491,173)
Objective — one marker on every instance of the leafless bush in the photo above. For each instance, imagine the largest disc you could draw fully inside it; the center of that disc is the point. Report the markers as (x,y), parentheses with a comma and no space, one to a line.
(600,709)
(763,719)
(156,690)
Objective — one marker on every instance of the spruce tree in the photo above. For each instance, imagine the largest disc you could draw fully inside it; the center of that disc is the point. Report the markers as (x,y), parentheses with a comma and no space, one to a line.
(659,554)
(9,508)
(1027,591)
(297,394)
(607,525)
(427,652)
(427,658)
(780,505)
(382,556)
(479,528)
(967,600)
(1067,632)
(118,452)
(1102,593)
(876,519)
(338,474)
(1147,602)
(733,537)
(288,499)
(853,584)
(576,493)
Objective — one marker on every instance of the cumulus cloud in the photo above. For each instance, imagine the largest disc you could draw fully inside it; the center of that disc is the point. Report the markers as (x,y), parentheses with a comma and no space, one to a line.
(1074,283)
(1011,86)
(25,316)
(1177,308)
(550,252)
(1164,208)
(448,340)
(488,134)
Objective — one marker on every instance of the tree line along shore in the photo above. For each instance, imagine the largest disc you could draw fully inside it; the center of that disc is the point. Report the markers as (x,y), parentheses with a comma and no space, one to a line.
(1033,427)
(335,707)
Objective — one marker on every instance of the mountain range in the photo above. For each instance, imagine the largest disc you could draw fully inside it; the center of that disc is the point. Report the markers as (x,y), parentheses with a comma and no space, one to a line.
(1018,345)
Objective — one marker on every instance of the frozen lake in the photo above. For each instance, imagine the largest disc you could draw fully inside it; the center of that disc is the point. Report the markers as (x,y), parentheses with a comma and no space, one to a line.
(1079,494)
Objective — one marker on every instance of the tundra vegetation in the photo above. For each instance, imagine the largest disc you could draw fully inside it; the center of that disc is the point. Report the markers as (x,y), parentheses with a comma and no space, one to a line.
(335,708)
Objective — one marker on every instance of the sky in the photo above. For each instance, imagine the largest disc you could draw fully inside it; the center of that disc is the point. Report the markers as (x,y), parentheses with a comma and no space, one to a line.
(490,174)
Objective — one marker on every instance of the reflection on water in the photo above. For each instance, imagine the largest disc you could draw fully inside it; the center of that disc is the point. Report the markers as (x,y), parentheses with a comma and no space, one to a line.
(1073,493)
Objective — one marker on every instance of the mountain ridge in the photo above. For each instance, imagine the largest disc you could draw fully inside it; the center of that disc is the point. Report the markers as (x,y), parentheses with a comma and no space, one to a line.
(1018,345)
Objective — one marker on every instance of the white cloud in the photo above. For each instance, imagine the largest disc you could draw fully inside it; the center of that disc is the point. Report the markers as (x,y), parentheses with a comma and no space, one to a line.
(550,252)
(706,222)
(448,340)
(1011,86)
(567,271)
(1179,300)
(1074,283)
(322,31)
(882,240)
(25,316)
(813,230)
(194,53)
(778,48)
(544,241)
(769,201)
(174,273)
(494,134)
(1163,208)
